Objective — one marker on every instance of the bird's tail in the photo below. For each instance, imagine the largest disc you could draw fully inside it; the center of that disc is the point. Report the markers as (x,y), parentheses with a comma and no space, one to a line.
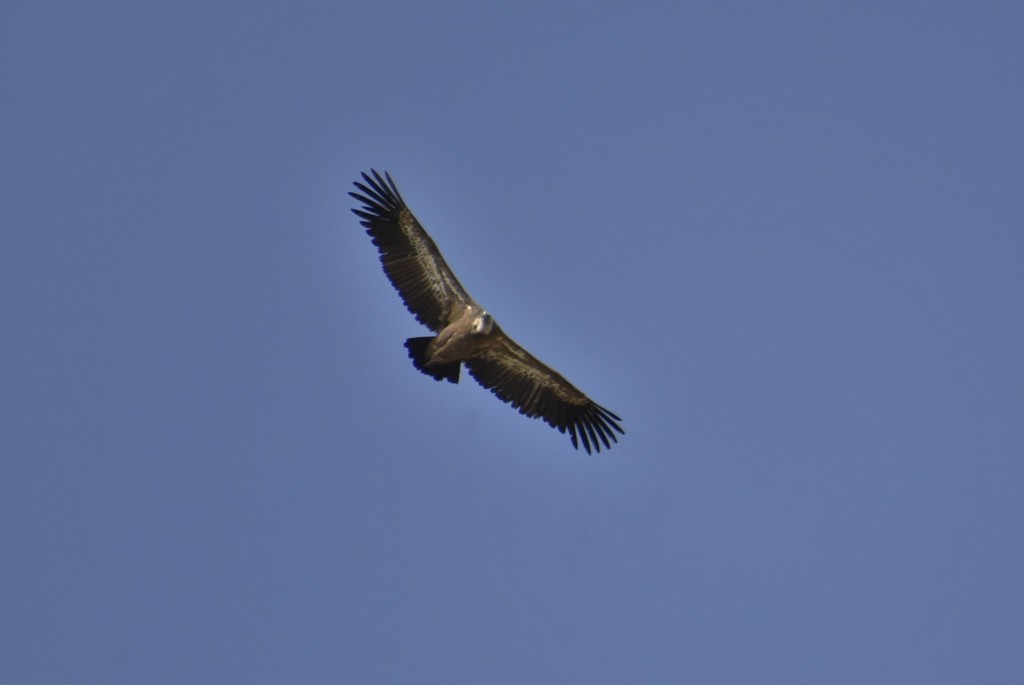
(439,372)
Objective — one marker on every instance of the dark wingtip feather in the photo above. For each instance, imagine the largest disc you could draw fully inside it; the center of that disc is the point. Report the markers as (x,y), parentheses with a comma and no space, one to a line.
(594,426)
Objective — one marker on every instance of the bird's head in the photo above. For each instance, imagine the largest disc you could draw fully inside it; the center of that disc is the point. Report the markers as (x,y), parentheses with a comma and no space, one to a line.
(482,324)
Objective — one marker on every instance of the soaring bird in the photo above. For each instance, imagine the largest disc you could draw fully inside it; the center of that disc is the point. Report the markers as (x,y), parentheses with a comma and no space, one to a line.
(465,332)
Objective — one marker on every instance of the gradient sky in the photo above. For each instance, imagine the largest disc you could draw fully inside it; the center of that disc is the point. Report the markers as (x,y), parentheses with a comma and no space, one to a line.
(784,241)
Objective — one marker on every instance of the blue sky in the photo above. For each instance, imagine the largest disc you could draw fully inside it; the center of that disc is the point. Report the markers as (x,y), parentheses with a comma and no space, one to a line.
(783,241)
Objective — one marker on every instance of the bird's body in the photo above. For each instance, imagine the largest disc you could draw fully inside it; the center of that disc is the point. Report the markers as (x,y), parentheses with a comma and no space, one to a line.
(441,356)
(465,332)
(468,333)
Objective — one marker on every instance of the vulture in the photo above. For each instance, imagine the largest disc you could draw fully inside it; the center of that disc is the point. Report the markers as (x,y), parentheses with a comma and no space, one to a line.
(464,332)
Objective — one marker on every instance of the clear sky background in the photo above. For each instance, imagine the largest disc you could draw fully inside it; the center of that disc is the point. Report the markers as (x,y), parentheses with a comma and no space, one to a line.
(784,241)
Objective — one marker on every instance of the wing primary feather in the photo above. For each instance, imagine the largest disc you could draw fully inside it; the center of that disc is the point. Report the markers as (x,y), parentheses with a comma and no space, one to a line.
(593,436)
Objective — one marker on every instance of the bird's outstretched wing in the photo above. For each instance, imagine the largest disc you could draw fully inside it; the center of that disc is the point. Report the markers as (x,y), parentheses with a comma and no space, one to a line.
(410,258)
(536,390)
